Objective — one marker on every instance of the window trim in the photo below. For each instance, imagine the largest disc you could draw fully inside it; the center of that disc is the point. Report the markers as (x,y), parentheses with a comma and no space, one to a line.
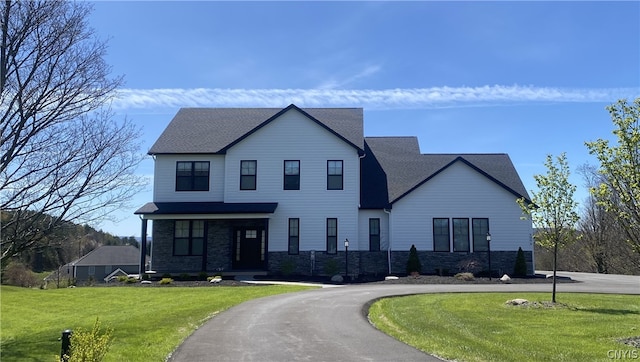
(253,176)
(190,238)
(433,222)
(192,177)
(285,176)
(482,237)
(372,236)
(294,239)
(332,239)
(454,229)
(341,175)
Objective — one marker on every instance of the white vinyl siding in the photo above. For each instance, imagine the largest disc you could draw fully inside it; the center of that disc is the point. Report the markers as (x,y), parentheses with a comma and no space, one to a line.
(459,192)
(293,136)
(164,180)
(363,230)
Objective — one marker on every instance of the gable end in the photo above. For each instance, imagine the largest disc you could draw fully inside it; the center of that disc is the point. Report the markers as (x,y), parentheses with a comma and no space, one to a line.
(280,113)
(474,167)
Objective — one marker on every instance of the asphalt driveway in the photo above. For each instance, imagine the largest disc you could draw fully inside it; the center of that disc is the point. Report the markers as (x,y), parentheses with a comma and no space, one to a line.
(330,324)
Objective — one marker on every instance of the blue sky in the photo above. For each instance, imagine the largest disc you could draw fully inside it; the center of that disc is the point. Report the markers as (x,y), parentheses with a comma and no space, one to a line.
(523,78)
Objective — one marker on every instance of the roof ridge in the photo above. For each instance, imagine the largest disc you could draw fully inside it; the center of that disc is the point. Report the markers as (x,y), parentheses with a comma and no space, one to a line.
(391,137)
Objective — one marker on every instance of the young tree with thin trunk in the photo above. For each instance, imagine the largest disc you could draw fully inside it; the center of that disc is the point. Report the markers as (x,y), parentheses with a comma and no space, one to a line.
(619,191)
(62,155)
(553,209)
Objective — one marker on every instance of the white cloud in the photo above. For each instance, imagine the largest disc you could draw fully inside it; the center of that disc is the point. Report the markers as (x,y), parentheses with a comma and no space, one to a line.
(411,98)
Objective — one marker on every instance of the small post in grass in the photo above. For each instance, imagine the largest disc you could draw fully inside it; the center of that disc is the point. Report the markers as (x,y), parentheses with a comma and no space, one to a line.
(65,351)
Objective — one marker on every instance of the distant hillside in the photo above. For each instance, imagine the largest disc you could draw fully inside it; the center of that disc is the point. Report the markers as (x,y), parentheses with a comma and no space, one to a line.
(71,242)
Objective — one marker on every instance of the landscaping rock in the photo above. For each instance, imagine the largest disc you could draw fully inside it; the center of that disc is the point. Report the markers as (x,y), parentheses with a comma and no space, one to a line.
(517,301)
(337,278)
(506,279)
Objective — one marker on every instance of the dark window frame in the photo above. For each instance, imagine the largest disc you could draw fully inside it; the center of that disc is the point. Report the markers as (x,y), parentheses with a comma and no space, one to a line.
(294,236)
(333,178)
(374,235)
(332,236)
(437,235)
(192,181)
(480,235)
(249,181)
(190,238)
(459,233)
(290,181)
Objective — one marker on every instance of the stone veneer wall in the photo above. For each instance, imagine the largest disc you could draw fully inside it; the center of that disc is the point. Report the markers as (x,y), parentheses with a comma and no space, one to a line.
(219,247)
(502,262)
(376,263)
(220,244)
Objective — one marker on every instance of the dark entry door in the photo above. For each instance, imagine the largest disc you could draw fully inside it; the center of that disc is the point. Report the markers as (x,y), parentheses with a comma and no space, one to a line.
(249,248)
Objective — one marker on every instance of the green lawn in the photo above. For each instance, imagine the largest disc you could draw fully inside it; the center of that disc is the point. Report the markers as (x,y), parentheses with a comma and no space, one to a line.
(148,322)
(480,327)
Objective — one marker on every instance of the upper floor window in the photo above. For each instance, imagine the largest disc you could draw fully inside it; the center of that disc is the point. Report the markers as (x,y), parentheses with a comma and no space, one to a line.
(480,230)
(334,175)
(188,237)
(292,175)
(441,234)
(192,176)
(248,171)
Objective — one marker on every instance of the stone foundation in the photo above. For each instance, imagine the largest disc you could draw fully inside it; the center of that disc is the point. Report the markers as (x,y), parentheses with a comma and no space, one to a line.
(218,257)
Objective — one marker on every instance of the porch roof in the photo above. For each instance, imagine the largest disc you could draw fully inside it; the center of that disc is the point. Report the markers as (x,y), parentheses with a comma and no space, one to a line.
(166,208)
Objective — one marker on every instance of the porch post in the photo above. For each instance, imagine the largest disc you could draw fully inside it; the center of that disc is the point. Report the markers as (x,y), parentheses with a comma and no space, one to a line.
(143,246)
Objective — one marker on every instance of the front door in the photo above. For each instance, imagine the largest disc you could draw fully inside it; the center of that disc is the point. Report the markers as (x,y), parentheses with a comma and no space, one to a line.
(249,248)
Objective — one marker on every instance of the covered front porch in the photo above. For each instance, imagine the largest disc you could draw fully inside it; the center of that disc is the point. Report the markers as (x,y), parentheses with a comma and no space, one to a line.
(209,237)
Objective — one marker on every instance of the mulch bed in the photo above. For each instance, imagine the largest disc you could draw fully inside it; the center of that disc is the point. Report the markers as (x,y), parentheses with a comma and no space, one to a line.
(420,279)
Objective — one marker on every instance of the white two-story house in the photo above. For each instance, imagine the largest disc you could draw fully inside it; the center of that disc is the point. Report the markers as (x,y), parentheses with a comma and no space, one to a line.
(267,190)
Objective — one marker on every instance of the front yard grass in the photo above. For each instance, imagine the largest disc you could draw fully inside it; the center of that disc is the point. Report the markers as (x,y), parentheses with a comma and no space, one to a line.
(480,327)
(148,322)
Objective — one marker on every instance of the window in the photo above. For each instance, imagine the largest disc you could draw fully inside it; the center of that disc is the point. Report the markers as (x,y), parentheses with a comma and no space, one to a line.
(188,238)
(441,234)
(294,236)
(461,235)
(292,175)
(334,175)
(374,234)
(332,236)
(480,230)
(248,175)
(192,176)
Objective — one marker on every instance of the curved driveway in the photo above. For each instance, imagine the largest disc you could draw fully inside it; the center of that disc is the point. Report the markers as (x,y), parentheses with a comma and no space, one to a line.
(330,324)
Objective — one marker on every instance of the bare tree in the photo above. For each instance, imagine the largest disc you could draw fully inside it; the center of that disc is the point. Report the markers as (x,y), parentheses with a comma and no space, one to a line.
(619,192)
(603,244)
(63,157)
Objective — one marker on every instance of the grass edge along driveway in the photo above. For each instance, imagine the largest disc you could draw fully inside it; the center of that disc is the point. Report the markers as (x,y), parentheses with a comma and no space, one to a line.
(148,322)
(481,327)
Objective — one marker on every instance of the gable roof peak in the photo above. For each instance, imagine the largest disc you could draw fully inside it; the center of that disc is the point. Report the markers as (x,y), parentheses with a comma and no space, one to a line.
(215,130)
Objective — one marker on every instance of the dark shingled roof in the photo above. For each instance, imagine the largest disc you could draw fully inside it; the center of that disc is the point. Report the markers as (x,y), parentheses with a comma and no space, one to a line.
(111,255)
(214,130)
(164,208)
(397,161)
